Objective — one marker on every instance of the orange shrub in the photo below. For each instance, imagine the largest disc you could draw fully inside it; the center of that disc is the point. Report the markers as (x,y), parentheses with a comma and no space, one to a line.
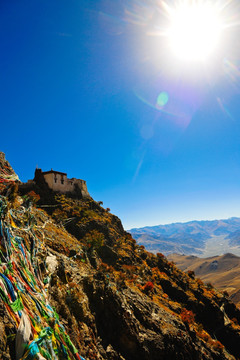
(199,282)
(129,269)
(217,345)
(165,296)
(106,268)
(234,320)
(160,255)
(191,274)
(203,335)
(33,197)
(187,316)
(148,287)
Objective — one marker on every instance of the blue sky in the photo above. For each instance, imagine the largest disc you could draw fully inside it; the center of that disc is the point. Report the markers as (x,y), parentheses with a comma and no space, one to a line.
(80,83)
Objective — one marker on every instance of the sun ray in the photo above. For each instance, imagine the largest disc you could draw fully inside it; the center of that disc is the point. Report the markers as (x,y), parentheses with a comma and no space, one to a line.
(195,29)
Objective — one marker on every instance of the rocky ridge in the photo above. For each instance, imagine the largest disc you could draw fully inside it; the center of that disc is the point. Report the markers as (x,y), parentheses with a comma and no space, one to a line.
(84,288)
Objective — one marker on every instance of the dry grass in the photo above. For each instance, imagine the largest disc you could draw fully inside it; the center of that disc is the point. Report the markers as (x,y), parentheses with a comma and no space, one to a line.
(225,277)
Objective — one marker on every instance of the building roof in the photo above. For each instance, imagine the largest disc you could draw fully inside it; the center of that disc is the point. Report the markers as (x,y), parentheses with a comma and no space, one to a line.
(53,172)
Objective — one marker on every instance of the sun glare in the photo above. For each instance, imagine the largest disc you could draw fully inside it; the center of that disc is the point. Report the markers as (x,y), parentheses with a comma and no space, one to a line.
(195,30)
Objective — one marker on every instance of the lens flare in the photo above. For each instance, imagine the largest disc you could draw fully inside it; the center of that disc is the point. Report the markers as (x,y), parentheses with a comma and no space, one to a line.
(162,99)
(231,70)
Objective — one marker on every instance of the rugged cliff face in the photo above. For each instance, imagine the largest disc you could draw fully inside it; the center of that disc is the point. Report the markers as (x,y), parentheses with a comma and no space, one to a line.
(74,284)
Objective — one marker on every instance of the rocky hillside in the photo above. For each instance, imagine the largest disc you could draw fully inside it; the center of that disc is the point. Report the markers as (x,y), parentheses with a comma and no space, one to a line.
(222,271)
(204,238)
(75,285)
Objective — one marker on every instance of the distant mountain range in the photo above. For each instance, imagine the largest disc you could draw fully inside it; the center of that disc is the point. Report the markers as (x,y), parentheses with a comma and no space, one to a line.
(222,271)
(203,238)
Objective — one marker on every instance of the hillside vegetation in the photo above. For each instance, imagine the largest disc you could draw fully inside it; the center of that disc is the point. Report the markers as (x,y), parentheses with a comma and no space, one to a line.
(222,271)
(75,285)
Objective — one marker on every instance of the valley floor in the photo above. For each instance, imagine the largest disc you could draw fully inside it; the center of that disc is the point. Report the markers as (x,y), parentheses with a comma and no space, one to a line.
(218,245)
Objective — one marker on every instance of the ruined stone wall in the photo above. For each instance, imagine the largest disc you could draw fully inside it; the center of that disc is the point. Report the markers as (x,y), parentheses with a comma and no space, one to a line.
(82,186)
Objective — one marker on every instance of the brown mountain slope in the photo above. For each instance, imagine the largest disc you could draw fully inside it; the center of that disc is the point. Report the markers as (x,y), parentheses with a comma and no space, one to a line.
(87,288)
(222,271)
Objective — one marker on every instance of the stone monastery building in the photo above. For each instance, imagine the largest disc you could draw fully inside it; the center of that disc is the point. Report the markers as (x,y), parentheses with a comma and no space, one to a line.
(58,181)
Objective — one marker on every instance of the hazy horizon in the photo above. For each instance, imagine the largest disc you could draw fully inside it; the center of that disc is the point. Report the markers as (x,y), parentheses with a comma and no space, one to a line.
(188,221)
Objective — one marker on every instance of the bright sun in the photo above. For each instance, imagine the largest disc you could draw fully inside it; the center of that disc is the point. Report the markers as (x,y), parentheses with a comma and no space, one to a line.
(195,30)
